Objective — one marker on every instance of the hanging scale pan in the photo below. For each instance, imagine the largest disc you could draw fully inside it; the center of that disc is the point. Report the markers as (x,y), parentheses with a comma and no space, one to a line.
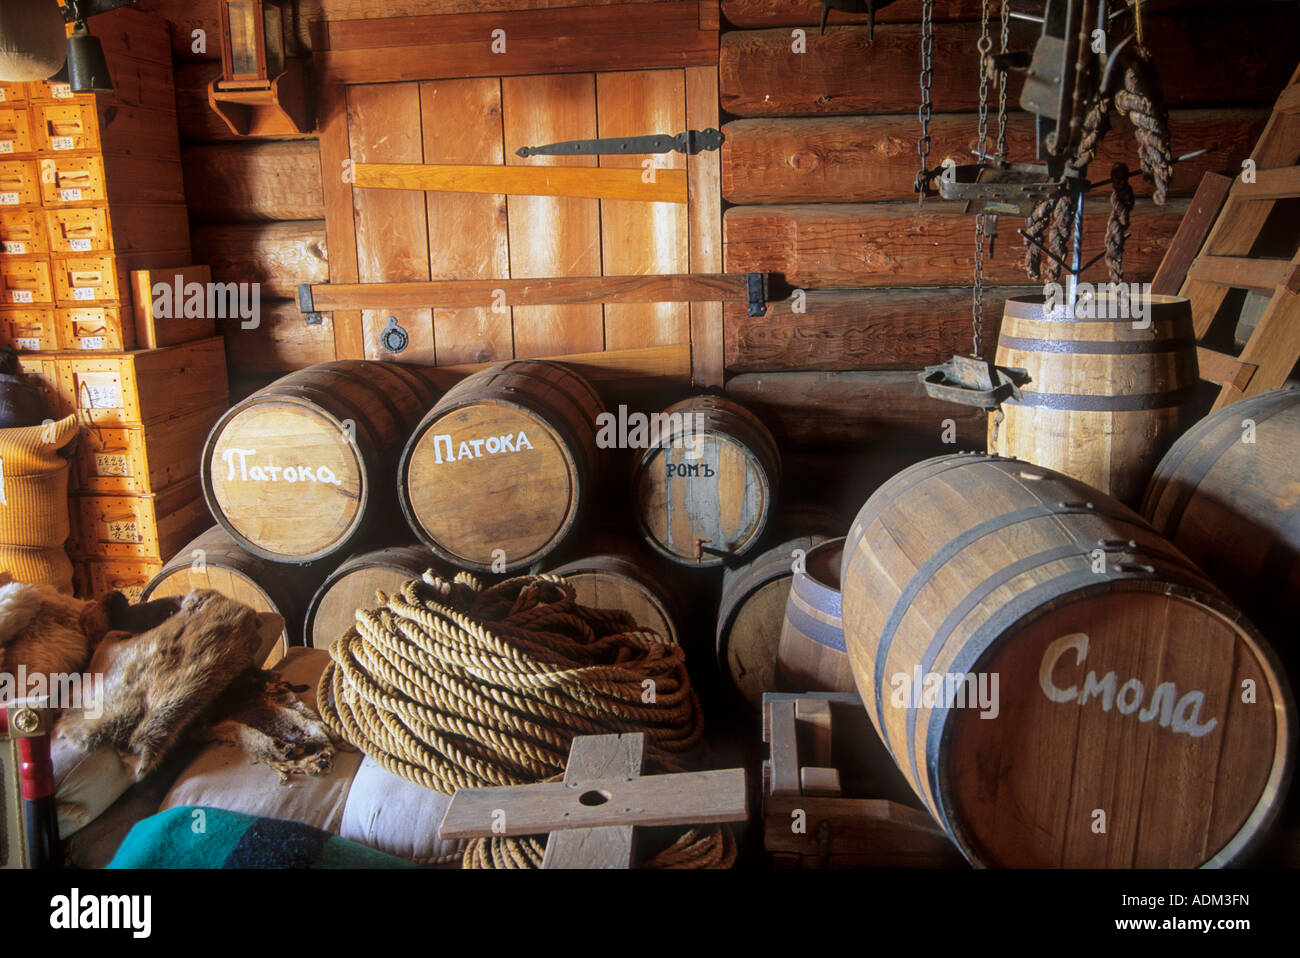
(973,382)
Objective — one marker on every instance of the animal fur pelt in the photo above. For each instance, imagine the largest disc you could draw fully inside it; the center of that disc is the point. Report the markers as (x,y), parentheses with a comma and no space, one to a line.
(189,674)
(46,631)
(262,715)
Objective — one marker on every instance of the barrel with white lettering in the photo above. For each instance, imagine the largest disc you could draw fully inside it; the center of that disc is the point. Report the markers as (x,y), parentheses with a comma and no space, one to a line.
(496,476)
(1059,684)
(303,469)
(1111,386)
(811,656)
(706,483)
(214,560)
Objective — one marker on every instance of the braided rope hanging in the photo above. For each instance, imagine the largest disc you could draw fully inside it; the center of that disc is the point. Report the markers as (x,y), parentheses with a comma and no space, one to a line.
(452,685)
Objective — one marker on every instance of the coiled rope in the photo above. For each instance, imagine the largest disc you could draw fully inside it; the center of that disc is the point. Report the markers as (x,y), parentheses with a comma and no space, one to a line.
(452,685)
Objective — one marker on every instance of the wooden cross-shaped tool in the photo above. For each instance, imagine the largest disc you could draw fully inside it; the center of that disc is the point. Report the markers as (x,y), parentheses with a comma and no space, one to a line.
(592,815)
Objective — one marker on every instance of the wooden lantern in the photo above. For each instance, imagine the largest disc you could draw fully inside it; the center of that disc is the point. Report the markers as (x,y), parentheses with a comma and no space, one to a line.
(261,92)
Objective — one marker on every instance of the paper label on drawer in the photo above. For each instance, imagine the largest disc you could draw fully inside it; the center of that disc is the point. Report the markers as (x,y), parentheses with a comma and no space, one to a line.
(83,293)
(3,96)
(110,464)
(22,296)
(92,342)
(15,247)
(124,530)
(70,196)
(61,143)
(79,245)
(9,199)
(103,396)
(29,345)
(6,146)
(61,91)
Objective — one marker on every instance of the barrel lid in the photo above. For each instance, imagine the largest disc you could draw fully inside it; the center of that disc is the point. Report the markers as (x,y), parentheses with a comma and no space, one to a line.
(1129,724)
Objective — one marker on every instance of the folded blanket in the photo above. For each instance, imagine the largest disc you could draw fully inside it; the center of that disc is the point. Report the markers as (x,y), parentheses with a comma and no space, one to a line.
(191,837)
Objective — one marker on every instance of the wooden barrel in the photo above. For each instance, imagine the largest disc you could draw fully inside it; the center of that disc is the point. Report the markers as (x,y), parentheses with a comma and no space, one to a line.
(1228,495)
(1060,685)
(303,469)
(617,580)
(811,656)
(750,615)
(1104,400)
(215,561)
(501,468)
(705,488)
(353,584)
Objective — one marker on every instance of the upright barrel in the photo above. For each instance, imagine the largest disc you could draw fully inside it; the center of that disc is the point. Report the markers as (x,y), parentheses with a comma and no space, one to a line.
(750,615)
(1059,684)
(352,586)
(811,656)
(214,560)
(617,580)
(303,469)
(705,487)
(1228,495)
(496,476)
(1107,394)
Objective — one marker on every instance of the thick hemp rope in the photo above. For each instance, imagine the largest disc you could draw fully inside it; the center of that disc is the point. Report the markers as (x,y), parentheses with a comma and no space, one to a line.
(451,685)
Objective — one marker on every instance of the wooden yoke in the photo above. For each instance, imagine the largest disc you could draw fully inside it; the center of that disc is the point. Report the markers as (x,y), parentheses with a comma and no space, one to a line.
(593,814)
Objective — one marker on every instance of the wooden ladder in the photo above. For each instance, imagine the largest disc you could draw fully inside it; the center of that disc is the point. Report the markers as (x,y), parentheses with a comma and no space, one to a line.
(1227,261)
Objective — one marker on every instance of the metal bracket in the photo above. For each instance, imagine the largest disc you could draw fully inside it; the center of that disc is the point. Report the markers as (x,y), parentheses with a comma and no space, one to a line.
(393,338)
(307,307)
(689,142)
(756,286)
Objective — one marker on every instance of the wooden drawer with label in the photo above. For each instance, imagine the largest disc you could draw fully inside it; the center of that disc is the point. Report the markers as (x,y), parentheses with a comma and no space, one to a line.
(128,576)
(89,279)
(98,229)
(19,184)
(141,527)
(28,330)
(15,92)
(94,328)
(72,179)
(48,373)
(25,282)
(142,459)
(42,90)
(148,385)
(62,126)
(22,233)
(15,131)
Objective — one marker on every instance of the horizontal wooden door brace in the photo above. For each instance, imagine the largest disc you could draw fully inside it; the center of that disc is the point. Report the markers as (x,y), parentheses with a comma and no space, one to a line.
(749,288)
(667,186)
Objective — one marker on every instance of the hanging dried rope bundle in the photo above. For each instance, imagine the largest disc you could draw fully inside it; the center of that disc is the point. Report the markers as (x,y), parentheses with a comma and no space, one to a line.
(1036,227)
(1058,240)
(1142,101)
(1121,210)
(451,685)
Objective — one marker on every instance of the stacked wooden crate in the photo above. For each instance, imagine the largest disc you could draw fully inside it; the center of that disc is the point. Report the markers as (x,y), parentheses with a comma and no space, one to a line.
(91,189)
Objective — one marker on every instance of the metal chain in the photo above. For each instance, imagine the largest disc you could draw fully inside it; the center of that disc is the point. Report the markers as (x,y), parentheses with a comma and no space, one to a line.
(923,112)
(977,305)
(1002,82)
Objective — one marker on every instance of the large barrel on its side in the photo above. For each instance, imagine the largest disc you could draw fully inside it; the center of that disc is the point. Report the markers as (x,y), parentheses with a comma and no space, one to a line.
(496,476)
(705,488)
(1228,495)
(811,656)
(353,585)
(303,469)
(1104,399)
(215,561)
(617,580)
(1059,684)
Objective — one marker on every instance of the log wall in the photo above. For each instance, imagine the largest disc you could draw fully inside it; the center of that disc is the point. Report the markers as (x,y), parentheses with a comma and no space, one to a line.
(817,172)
